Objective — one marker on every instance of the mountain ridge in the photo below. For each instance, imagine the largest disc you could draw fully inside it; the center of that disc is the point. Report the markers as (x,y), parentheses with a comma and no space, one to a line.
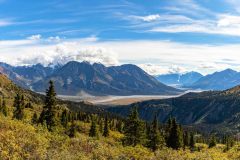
(177,79)
(221,80)
(82,77)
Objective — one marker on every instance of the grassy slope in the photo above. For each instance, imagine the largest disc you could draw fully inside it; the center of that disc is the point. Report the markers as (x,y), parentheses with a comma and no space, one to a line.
(20,140)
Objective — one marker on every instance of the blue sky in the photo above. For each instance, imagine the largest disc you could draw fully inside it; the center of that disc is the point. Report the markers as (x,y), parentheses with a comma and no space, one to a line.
(161,36)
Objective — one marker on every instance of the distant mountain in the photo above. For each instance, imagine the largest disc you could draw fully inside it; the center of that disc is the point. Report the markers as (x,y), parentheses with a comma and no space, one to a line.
(179,79)
(8,90)
(77,78)
(24,76)
(218,81)
(210,110)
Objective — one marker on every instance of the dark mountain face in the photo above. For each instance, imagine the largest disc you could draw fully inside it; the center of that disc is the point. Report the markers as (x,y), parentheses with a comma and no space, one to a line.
(24,76)
(76,78)
(34,73)
(218,80)
(179,79)
(211,108)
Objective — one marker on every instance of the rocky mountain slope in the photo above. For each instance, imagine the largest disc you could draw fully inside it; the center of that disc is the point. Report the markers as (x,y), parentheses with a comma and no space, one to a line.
(176,79)
(83,78)
(218,81)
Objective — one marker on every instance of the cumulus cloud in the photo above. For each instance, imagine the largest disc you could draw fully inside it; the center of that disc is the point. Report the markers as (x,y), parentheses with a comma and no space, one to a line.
(54,39)
(68,51)
(148,18)
(157,69)
(155,57)
(34,37)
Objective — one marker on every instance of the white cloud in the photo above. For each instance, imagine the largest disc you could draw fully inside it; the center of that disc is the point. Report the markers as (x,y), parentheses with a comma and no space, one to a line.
(224,25)
(148,18)
(187,16)
(156,57)
(54,39)
(63,52)
(34,37)
(155,19)
(229,20)
(156,69)
(4,22)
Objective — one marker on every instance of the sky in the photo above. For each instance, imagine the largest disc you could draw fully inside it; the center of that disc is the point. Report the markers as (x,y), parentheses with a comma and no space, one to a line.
(160,36)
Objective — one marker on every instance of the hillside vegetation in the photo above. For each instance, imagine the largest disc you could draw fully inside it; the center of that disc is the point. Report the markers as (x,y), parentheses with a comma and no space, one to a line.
(21,140)
(211,111)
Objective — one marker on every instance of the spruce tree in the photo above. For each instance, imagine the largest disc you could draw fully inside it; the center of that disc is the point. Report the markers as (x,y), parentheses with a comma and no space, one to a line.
(4,108)
(155,140)
(64,118)
(186,139)
(19,107)
(73,130)
(100,128)
(49,111)
(106,128)
(168,129)
(35,118)
(120,126)
(1,104)
(175,139)
(93,130)
(213,142)
(134,129)
(192,141)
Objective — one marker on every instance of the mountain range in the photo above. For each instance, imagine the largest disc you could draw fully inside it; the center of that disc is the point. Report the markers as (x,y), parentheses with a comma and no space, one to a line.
(221,80)
(217,81)
(80,78)
(178,80)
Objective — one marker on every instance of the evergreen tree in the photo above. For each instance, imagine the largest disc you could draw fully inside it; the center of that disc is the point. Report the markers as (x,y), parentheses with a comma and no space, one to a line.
(120,126)
(134,129)
(175,139)
(168,129)
(35,118)
(100,129)
(192,141)
(64,118)
(186,139)
(106,128)
(4,108)
(19,107)
(49,111)
(213,142)
(73,130)
(29,105)
(155,140)
(1,104)
(93,130)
